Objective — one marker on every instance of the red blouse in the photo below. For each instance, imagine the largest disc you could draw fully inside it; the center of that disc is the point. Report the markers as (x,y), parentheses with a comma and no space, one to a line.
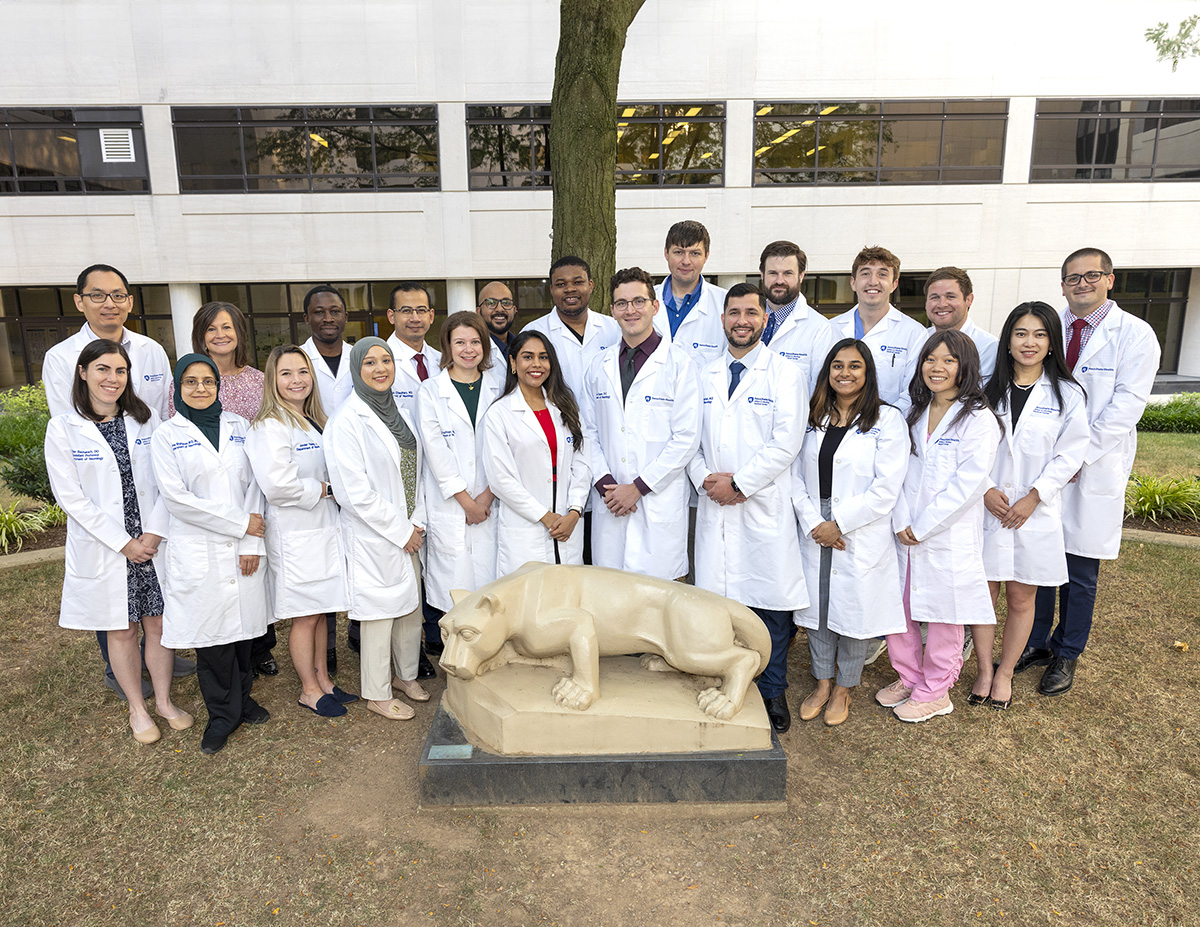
(547,424)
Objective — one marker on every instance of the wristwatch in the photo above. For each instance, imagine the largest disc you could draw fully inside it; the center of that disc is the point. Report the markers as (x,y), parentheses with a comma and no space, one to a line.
(577,509)
(734,486)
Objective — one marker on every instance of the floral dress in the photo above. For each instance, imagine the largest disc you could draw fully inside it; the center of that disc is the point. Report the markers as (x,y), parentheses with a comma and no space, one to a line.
(145,596)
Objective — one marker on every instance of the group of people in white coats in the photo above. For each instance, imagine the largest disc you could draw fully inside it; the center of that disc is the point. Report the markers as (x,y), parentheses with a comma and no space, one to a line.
(829,492)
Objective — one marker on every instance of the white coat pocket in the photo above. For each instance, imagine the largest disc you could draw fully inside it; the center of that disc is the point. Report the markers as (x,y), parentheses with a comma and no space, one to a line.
(85,557)
(310,557)
(376,562)
(187,571)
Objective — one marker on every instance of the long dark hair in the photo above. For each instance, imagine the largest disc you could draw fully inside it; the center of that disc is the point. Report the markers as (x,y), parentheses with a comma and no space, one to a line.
(207,314)
(864,413)
(970,391)
(556,389)
(128,402)
(1054,366)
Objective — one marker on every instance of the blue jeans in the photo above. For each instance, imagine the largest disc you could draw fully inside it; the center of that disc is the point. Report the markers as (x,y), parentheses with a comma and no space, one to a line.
(1076,602)
(773,680)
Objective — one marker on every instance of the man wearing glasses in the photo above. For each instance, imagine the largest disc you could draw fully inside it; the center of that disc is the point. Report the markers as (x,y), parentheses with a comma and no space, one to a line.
(641,418)
(102,295)
(1114,356)
(496,306)
(411,317)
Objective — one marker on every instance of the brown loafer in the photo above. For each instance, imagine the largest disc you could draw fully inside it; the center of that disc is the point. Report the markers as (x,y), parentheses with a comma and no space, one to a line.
(811,706)
(414,690)
(393,710)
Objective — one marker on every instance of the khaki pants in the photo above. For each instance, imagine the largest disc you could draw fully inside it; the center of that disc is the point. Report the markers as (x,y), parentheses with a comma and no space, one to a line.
(390,645)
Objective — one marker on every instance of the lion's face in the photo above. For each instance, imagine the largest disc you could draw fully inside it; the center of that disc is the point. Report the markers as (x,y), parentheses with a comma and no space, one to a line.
(473,632)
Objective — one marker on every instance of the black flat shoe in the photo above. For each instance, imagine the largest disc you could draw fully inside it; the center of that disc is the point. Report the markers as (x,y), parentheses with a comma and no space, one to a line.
(778,713)
(977,700)
(331,661)
(1032,656)
(213,743)
(255,714)
(267,668)
(1059,677)
(1000,706)
(425,669)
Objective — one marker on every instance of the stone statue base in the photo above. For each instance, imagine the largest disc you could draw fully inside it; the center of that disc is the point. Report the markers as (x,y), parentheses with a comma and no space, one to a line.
(510,711)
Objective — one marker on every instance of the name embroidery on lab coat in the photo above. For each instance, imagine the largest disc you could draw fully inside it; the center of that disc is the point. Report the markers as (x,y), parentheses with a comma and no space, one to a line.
(603,394)
(1046,410)
(946,442)
(1085,369)
(308,446)
(660,398)
(237,439)
(181,445)
(87,454)
(448,434)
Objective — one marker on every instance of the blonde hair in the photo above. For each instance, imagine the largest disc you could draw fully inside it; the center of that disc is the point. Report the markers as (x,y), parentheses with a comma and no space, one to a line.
(275,408)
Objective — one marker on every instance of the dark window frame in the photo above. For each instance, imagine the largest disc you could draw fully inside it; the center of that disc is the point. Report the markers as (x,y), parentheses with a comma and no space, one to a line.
(1110,111)
(538,119)
(376,118)
(1140,305)
(75,119)
(826,112)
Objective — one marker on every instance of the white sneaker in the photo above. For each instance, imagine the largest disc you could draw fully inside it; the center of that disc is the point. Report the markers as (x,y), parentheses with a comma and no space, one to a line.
(875,650)
(913,711)
(968,646)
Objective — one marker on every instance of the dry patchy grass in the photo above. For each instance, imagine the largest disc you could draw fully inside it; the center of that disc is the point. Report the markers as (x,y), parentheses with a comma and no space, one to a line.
(1078,810)
(1167,455)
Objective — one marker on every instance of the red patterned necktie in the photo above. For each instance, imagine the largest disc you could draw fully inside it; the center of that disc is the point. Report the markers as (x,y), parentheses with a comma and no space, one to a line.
(422,370)
(1076,341)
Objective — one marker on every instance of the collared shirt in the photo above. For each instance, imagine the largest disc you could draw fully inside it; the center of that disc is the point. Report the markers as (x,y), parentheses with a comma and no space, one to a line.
(640,354)
(748,360)
(503,346)
(776,319)
(676,314)
(858,325)
(1091,321)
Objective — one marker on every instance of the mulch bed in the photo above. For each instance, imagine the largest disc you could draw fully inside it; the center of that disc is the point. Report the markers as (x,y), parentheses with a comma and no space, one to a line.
(51,537)
(1189,526)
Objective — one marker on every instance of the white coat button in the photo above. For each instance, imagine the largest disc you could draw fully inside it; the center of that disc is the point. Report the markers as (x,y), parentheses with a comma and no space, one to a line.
(834,572)
(622,460)
(836,499)
(229,543)
(233,582)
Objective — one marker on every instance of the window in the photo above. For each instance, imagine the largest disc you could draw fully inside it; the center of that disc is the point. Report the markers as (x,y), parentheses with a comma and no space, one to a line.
(33,319)
(831,295)
(310,149)
(1159,297)
(1076,140)
(275,311)
(72,151)
(532,296)
(955,141)
(658,144)
(509,146)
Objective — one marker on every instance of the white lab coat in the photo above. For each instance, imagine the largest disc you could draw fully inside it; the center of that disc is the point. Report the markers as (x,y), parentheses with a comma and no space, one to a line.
(986,344)
(896,342)
(87,485)
(364,468)
(701,334)
(805,338)
(306,558)
(1117,369)
(210,496)
(457,555)
(868,476)
(149,370)
(942,502)
(653,434)
(332,390)
(749,552)
(1043,452)
(408,382)
(601,333)
(516,460)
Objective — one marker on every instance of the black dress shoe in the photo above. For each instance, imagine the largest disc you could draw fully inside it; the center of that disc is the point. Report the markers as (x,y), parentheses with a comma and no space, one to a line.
(1059,677)
(1032,656)
(778,713)
(435,648)
(331,661)
(255,714)
(213,743)
(425,669)
(267,667)
(353,644)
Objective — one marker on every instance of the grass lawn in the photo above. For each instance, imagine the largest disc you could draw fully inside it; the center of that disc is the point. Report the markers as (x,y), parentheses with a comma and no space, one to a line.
(1175,455)
(1077,810)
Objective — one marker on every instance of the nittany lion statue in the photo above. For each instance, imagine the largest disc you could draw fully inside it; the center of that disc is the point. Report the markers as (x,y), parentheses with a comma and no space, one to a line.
(542,611)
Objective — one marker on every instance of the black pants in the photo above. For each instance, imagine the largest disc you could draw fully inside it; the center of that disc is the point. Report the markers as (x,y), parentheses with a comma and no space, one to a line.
(331,631)
(225,680)
(261,647)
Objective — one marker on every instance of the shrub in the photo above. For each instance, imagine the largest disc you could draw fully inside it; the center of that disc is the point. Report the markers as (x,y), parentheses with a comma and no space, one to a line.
(1153,497)
(1181,414)
(25,473)
(23,418)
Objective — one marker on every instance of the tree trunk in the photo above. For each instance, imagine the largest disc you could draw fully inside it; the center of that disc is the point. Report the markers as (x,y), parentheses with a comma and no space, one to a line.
(583,133)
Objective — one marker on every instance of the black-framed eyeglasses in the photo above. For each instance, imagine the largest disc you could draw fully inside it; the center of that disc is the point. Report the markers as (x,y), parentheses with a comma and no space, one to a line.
(410,312)
(1092,276)
(638,302)
(491,304)
(99,297)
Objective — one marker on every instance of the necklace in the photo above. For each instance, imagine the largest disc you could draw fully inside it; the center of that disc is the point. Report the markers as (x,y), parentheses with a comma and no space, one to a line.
(1025,388)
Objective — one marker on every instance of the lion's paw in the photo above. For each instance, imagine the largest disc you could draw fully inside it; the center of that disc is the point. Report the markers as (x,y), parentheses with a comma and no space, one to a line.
(716,704)
(656,664)
(570,694)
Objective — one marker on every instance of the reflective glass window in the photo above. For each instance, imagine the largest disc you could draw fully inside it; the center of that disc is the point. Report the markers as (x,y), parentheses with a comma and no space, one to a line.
(93,150)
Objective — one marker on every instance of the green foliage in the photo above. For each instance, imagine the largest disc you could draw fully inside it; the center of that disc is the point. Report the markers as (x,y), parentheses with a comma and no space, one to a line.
(1185,43)
(1153,497)
(1181,414)
(50,516)
(14,529)
(23,418)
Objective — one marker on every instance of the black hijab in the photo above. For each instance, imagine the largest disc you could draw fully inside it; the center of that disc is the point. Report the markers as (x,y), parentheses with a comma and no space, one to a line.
(207,420)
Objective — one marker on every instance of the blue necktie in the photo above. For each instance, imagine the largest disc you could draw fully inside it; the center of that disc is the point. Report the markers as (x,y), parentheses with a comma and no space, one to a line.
(735,369)
(769,331)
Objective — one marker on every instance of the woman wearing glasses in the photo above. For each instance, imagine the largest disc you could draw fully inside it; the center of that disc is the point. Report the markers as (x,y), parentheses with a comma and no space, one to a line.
(533,443)
(461,546)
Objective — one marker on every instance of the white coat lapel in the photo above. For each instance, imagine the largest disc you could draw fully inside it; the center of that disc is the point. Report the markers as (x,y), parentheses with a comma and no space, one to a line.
(1039,395)
(381,431)
(1108,329)
(450,395)
(189,428)
(653,363)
